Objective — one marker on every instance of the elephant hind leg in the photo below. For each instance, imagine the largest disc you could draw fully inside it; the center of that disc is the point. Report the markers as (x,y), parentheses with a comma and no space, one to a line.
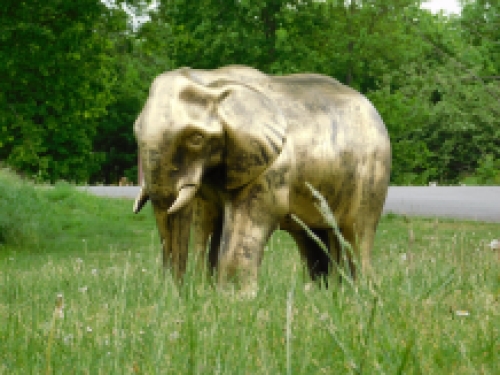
(207,228)
(365,246)
(343,257)
(361,241)
(317,261)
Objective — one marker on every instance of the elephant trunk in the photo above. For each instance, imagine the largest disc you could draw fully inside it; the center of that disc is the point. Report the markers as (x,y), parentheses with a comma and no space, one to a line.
(174,232)
(174,228)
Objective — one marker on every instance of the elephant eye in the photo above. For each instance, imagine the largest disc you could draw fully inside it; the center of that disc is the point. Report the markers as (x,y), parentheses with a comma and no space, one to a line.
(195,139)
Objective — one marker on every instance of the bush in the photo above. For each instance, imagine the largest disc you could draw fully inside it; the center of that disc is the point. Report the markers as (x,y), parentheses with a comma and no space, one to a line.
(487,172)
(28,216)
(19,211)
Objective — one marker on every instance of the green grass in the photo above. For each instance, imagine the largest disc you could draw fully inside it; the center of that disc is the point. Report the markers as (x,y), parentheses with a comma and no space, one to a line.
(432,306)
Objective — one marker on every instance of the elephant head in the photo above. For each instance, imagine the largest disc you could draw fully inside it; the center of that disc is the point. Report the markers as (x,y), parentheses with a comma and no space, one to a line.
(188,128)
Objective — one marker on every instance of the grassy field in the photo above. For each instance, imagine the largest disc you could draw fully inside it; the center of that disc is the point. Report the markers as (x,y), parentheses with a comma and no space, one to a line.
(81,292)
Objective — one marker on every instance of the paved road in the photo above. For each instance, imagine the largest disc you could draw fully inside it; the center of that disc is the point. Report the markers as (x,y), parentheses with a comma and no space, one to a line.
(465,202)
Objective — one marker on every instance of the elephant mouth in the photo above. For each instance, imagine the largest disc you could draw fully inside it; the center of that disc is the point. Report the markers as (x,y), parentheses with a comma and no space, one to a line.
(185,195)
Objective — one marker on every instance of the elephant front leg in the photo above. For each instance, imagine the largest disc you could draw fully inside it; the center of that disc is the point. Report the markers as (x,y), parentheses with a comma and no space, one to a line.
(244,235)
(207,218)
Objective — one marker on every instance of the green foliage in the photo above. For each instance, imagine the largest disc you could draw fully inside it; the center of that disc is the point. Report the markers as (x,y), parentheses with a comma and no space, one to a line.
(54,65)
(75,74)
(114,141)
(353,43)
(443,118)
(487,172)
(210,33)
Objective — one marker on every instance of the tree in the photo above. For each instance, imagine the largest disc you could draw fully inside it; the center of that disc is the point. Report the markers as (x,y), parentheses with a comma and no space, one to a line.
(446,122)
(114,141)
(212,33)
(76,73)
(56,77)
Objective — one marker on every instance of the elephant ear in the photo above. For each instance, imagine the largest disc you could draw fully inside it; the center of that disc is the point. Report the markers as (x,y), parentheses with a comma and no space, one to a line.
(255,132)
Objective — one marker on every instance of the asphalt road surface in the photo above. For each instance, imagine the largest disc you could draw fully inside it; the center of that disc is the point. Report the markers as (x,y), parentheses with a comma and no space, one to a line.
(480,203)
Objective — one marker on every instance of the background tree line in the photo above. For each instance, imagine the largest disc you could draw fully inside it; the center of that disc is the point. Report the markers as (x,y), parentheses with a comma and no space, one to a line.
(74,75)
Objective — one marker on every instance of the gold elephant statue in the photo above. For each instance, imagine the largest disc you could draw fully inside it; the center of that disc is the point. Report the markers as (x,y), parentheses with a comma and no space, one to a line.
(228,152)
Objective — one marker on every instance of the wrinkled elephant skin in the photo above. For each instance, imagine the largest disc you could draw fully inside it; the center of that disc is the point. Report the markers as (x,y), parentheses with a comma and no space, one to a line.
(228,152)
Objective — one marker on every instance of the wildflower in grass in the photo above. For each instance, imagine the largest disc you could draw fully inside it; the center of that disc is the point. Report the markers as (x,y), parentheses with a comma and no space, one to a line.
(89,329)
(59,309)
(495,245)
(323,317)
(67,339)
(308,287)
(78,264)
(462,313)
(174,335)
(94,271)
(83,289)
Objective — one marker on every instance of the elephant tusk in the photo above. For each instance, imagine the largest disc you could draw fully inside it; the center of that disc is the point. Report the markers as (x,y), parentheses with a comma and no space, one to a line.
(186,193)
(141,200)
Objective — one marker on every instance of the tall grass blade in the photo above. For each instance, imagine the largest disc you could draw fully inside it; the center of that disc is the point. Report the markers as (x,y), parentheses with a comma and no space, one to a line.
(289,317)
(406,356)
(440,284)
(320,243)
(368,331)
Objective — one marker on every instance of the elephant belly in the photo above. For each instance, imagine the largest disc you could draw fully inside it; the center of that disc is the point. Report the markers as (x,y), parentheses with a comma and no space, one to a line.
(353,183)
